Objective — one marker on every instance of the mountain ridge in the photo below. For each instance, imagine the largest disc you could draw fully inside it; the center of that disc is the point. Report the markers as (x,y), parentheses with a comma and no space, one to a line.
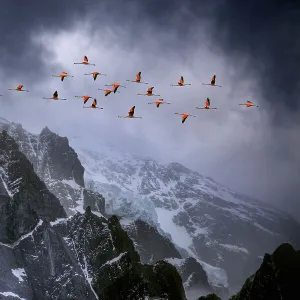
(156,203)
(190,208)
(85,256)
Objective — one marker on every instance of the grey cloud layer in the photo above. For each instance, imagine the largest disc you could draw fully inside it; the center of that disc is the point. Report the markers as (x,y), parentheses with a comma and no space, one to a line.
(163,39)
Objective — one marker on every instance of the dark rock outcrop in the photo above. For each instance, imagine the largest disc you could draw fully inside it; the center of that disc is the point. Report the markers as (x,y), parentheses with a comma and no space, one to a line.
(25,198)
(150,244)
(153,246)
(278,277)
(209,297)
(104,249)
(57,164)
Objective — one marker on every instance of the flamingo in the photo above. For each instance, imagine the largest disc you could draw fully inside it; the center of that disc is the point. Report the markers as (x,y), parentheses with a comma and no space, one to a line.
(181,82)
(54,97)
(248,104)
(159,102)
(207,105)
(115,86)
(149,92)
(85,98)
(184,116)
(94,105)
(62,75)
(84,62)
(212,82)
(107,91)
(95,74)
(138,78)
(18,89)
(130,114)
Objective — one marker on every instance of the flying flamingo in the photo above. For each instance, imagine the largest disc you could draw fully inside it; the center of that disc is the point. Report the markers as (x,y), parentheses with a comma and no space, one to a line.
(54,97)
(207,105)
(85,98)
(84,62)
(249,104)
(149,92)
(130,114)
(184,116)
(212,82)
(159,102)
(94,105)
(95,74)
(138,78)
(107,91)
(115,86)
(18,89)
(62,75)
(180,82)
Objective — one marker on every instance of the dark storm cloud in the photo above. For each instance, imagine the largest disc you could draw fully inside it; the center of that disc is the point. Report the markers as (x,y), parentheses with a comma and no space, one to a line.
(18,19)
(163,27)
(267,31)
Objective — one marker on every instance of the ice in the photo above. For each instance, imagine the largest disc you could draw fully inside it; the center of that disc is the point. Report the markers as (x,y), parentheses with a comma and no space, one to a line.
(179,234)
(10,294)
(114,260)
(127,204)
(234,248)
(59,220)
(87,276)
(264,229)
(126,221)
(29,234)
(216,276)
(19,273)
(72,184)
(98,214)
(175,261)
(4,183)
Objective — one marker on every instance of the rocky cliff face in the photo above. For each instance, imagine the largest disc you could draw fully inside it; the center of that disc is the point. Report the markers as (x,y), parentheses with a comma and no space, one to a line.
(278,277)
(104,249)
(44,255)
(24,197)
(210,222)
(57,164)
(150,244)
(153,246)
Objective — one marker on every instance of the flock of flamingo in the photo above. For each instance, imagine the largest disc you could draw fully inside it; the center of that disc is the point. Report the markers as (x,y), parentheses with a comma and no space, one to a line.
(116,86)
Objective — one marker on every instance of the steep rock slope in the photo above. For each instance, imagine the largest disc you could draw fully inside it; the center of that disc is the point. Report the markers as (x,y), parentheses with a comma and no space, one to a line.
(211,222)
(24,197)
(209,297)
(113,267)
(278,277)
(84,257)
(40,266)
(57,164)
(152,246)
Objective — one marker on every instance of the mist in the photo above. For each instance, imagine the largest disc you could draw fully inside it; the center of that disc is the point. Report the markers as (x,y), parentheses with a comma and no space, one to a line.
(244,149)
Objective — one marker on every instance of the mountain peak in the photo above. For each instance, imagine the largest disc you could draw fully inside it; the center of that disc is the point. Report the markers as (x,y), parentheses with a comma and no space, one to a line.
(31,198)
(46,131)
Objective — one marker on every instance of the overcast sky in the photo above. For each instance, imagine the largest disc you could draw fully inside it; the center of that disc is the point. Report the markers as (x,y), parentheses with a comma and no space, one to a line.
(252,46)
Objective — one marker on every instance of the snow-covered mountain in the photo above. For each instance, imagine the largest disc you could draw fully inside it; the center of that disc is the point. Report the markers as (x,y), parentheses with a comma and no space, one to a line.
(170,213)
(57,164)
(48,151)
(209,221)
(44,255)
